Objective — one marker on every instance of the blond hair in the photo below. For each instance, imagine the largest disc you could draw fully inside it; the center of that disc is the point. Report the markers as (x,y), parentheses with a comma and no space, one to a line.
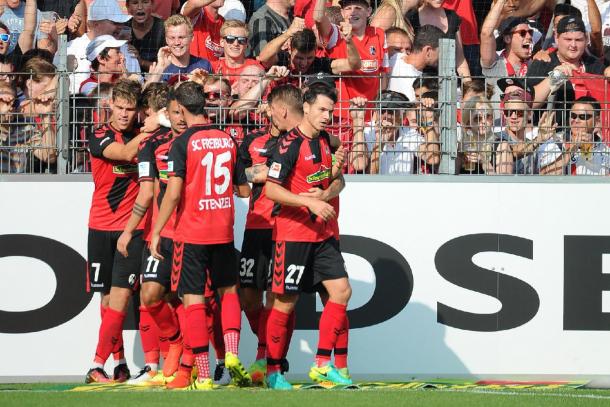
(399,19)
(233,24)
(128,90)
(178,20)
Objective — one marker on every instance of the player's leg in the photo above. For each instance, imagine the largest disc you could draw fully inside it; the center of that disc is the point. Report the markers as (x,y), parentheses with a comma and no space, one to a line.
(225,276)
(183,376)
(341,346)
(329,270)
(214,320)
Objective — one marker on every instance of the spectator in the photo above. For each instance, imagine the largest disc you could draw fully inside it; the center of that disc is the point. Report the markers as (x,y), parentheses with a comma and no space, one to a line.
(432,12)
(268,22)
(398,41)
(175,59)
(67,16)
(392,13)
(107,63)
(234,41)
(588,155)
(217,93)
(105,17)
(147,31)
(476,137)
(477,87)
(206,22)
(233,10)
(568,60)
(5,39)
(7,68)
(26,27)
(561,10)
(423,85)
(407,68)
(249,78)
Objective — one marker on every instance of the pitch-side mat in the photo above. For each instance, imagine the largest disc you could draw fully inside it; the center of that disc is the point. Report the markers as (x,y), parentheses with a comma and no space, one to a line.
(411,385)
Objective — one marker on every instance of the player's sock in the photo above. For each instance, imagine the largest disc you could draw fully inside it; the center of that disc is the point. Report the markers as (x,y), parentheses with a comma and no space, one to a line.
(163,316)
(231,322)
(109,334)
(181,314)
(331,323)
(149,336)
(188,359)
(261,350)
(198,338)
(292,321)
(253,317)
(163,346)
(214,320)
(118,352)
(276,339)
(341,346)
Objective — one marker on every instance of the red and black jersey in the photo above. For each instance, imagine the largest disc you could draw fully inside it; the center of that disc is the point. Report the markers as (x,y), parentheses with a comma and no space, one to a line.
(116,182)
(152,164)
(206,159)
(256,149)
(300,163)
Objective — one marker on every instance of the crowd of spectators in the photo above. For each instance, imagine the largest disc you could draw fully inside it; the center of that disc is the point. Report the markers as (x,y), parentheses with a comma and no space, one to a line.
(531,95)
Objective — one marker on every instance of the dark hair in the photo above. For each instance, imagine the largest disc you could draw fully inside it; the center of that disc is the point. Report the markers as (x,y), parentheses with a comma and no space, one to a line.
(304,41)
(4,27)
(6,59)
(316,90)
(426,82)
(589,100)
(155,96)
(31,54)
(395,30)
(427,35)
(95,64)
(288,94)
(566,10)
(190,95)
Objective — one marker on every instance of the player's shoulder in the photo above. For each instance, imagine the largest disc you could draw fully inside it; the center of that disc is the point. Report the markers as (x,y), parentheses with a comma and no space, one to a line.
(102,130)
(289,141)
(255,134)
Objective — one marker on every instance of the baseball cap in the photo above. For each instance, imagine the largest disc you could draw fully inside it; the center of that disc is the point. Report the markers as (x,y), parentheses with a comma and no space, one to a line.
(391,100)
(526,86)
(518,95)
(320,78)
(506,26)
(570,24)
(345,3)
(100,43)
(107,10)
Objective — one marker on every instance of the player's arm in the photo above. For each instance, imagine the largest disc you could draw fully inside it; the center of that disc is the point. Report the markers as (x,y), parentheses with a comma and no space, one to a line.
(240,181)
(143,200)
(257,174)
(192,7)
(123,152)
(281,195)
(171,198)
(353,61)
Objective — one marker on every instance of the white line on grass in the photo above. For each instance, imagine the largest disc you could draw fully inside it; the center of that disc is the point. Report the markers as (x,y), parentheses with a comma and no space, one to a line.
(538,393)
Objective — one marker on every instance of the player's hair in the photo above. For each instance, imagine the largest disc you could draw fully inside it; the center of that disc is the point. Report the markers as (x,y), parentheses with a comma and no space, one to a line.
(589,100)
(128,90)
(234,24)
(312,93)
(289,95)
(427,35)
(334,14)
(565,9)
(304,41)
(155,96)
(177,20)
(190,95)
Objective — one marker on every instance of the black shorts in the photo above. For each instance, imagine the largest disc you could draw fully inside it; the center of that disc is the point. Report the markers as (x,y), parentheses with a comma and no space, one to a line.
(193,260)
(156,270)
(255,258)
(302,266)
(106,267)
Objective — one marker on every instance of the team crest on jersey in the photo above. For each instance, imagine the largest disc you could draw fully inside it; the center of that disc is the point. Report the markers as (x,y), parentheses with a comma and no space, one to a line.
(372,50)
(233,132)
(123,169)
(319,175)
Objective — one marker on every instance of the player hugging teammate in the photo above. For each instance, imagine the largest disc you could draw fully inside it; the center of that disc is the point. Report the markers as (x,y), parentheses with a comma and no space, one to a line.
(166,220)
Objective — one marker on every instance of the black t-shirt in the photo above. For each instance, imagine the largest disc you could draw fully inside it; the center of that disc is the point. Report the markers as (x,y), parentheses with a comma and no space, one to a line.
(64,8)
(319,64)
(453,22)
(539,70)
(149,45)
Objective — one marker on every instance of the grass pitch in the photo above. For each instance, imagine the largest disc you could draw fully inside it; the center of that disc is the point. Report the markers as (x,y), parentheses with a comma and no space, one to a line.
(54,394)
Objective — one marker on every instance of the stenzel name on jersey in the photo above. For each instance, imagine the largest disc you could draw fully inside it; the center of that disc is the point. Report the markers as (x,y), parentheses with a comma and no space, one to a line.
(211,143)
(212,204)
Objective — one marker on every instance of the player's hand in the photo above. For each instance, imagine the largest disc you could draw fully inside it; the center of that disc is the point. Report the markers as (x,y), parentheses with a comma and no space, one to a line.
(322,209)
(277,72)
(298,24)
(317,193)
(345,28)
(123,242)
(154,246)
(151,124)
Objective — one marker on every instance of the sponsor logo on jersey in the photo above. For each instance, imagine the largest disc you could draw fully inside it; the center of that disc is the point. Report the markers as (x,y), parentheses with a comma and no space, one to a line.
(318,176)
(310,157)
(260,150)
(163,174)
(123,169)
(369,65)
(274,170)
(144,169)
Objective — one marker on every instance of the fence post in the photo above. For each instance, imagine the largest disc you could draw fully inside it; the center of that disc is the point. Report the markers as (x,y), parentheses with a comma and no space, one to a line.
(448,105)
(63,106)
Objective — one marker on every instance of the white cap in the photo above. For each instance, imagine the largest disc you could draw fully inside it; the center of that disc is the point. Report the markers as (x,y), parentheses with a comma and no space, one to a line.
(107,10)
(100,43)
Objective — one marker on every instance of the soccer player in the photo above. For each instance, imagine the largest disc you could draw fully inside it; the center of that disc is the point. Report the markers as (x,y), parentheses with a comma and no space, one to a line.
(113,149)
(204,171)
(306,254)
(285,111)
(156,315)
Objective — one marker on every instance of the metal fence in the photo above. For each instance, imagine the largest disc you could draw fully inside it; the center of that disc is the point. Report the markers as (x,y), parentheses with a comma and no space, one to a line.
(450,128)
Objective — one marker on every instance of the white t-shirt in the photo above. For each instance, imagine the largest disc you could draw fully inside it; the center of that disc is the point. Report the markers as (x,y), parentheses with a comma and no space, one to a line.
(397,158)
(233,10)
(403,76)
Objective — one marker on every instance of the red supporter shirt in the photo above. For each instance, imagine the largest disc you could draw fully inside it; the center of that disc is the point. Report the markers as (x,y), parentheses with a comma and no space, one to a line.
(255,150)
(304,9)
(206,159)
(232,74)
(298,164)
(116,182)
(206,36)
(373,53)
(469,29)
(152,164)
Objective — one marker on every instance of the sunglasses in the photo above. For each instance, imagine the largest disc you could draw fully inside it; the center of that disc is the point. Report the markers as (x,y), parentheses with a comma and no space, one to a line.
(523,33)
(582,116)
(518,112)
(230,39)
(5,37)
(215,95)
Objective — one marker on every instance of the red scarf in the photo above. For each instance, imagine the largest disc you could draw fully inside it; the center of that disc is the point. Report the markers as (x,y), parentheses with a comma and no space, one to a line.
(509,67)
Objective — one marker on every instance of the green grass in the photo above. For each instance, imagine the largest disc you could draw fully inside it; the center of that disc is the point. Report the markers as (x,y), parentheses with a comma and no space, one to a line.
(52,394)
